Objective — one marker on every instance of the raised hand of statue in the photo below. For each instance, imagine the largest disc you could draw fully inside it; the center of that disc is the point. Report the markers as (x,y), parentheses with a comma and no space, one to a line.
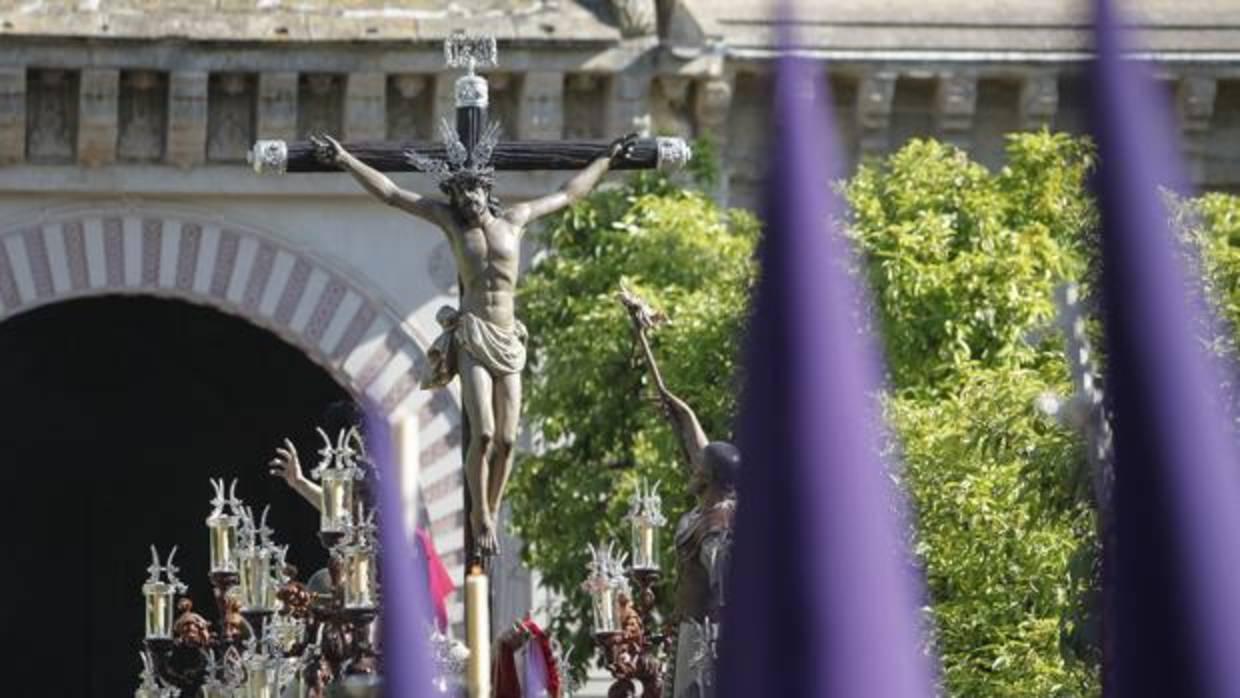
(622,148)
(286,464)
(327,150)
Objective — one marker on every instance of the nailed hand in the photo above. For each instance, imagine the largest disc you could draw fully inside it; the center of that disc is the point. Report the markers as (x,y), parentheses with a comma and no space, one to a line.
(327,150)
(622,147)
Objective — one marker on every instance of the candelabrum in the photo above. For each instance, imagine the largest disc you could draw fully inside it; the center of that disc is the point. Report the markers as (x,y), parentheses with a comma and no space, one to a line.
(623,602)
(277,637)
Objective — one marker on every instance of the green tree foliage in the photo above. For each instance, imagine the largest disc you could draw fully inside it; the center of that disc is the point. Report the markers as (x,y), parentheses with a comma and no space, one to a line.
(962,264)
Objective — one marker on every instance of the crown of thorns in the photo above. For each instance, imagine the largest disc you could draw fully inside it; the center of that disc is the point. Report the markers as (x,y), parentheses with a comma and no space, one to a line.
(462,166)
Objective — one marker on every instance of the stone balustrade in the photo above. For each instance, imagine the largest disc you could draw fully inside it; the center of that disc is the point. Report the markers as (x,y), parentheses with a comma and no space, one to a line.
(81,111)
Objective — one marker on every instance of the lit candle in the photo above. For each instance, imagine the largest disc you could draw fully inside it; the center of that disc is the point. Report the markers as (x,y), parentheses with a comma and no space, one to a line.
(478,632)
(159,610)
(605,583)
(646,517)
(257,588)
(645,550)
(222,528)
(262,678)
(159,595)
(337,500)
(603,607)
(359,587)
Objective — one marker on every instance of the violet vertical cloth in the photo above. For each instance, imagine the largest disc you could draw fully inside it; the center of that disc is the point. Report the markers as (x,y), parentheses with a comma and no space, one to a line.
(406,619)
(1174,620)
(823,600)
(535,681)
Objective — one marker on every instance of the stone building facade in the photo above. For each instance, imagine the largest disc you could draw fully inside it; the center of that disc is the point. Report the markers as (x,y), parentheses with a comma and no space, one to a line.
(124,128)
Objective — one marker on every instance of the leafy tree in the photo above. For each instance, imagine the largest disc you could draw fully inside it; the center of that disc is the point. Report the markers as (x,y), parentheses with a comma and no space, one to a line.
(962,264)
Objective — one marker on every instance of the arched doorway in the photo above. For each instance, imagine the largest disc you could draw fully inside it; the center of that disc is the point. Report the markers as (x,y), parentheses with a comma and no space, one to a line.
(116,410)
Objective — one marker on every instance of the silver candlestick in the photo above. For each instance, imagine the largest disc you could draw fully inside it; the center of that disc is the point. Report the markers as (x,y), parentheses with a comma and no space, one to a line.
(605,583)
(222,528)
(151,685)
(645,519)
(160,592)
(356,556)
(337,473)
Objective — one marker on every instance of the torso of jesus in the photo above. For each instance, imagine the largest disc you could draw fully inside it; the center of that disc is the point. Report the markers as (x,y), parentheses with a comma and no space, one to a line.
(487,258)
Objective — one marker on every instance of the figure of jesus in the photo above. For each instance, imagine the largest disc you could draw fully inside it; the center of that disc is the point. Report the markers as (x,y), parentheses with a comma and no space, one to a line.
(483,342)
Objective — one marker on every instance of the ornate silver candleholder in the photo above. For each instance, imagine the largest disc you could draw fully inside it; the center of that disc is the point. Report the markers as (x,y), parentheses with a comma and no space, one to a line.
(224,679)
(151,685)
(645,519)
(160,592)
(625,627)
(356,556)
(267,672)
(337,473)
(261,565)
(222,528)
(606,584)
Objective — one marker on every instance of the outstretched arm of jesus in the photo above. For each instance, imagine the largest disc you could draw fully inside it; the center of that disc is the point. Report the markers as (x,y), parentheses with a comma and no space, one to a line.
(329,151)
(574,190)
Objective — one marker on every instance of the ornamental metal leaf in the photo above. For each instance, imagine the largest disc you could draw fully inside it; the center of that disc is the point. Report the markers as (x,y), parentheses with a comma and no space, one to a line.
(453,147)
(264,533)
(428,165)
(155,569)
(218,501)
(486,145)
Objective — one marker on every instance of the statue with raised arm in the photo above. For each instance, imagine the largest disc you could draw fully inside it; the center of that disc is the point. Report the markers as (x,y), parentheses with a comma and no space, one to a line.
(704,533)
(482,342)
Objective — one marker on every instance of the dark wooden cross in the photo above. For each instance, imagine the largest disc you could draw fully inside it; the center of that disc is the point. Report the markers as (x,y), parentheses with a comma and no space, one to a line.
(277,156)
(471,117)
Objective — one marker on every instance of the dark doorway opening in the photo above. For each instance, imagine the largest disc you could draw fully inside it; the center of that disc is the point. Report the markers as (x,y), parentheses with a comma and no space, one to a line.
(114,414)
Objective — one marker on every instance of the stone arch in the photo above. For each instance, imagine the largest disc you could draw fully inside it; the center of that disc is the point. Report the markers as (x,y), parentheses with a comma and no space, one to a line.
(328,312)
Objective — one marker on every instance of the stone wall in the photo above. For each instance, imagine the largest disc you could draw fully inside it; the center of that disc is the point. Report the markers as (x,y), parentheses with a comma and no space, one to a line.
(190,105)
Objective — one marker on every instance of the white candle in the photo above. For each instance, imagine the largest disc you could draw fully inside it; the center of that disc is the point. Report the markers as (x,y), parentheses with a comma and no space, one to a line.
(337,502)
(478,633)
(645,552)
(223,535)
(159,610)
(604,607)
(257,590)
(359,590)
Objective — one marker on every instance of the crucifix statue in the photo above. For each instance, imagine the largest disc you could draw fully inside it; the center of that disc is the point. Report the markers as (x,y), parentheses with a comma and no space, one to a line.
(482,342)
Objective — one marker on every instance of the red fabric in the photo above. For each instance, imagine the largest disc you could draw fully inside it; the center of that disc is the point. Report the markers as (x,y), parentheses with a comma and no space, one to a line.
(504,680)
(438,581)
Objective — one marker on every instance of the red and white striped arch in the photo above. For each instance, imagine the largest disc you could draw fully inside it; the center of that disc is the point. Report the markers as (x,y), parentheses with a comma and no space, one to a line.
(321,307)
(310,303)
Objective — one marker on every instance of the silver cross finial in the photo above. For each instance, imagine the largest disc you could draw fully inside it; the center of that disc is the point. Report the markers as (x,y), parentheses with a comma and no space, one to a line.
(461,50)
